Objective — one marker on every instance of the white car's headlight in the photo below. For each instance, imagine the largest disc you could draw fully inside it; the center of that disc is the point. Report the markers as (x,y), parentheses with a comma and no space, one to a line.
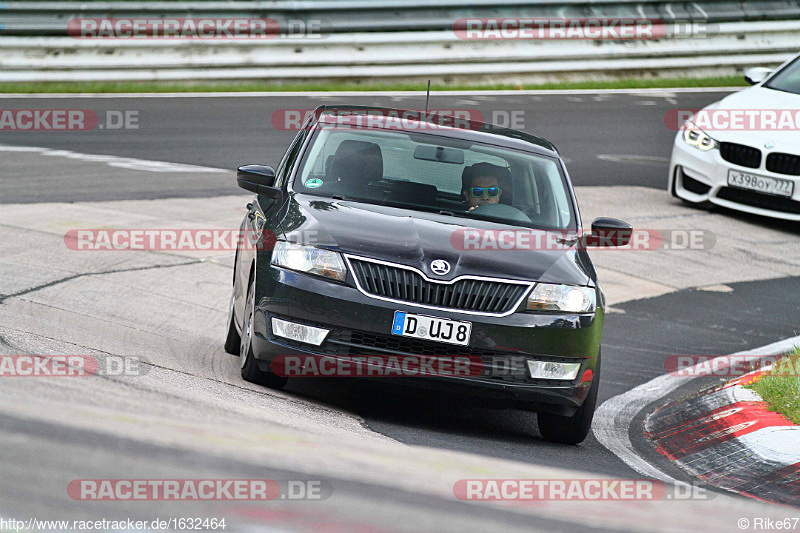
(696,137)
(310,260)
(564,298)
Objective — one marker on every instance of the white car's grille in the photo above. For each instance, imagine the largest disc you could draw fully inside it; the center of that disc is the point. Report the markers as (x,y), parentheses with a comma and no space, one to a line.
(739,154)
(784,164)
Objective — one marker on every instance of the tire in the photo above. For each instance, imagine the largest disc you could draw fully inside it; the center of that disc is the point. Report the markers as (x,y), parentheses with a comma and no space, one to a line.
(232,339)
(572,429)
(249,365)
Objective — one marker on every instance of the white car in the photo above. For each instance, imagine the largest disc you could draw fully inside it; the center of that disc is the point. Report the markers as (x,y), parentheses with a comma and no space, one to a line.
(743,152)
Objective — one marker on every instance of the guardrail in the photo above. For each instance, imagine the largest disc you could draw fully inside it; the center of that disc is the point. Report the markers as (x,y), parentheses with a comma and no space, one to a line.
(411,56)
(343,16)
(378,40)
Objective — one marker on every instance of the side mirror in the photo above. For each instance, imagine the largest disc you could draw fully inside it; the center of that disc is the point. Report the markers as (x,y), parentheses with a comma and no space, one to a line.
(259,179)
(757,75)
(609,232)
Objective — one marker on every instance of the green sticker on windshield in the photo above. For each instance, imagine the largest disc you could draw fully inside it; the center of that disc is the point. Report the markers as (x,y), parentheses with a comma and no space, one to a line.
(313,183)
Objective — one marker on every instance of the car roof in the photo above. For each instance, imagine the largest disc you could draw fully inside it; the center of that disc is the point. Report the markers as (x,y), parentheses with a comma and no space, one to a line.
(402,120)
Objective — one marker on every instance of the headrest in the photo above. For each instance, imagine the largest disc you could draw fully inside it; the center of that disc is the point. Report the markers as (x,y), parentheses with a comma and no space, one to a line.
(357,162)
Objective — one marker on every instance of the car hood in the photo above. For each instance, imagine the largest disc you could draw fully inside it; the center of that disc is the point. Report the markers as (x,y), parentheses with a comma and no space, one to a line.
(760,98)
(415,238)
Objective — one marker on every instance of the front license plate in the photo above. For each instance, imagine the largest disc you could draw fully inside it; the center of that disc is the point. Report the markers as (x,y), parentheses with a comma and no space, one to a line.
(744,180)
(431,328)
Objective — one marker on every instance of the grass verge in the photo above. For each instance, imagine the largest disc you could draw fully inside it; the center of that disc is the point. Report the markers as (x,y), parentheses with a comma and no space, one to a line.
(780,388)
(168,87)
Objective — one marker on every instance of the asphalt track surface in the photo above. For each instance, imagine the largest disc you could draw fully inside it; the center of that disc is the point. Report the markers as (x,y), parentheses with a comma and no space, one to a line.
(226,132)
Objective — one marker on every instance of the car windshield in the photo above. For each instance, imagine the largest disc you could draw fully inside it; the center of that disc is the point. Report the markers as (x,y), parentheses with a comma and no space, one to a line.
(428,172)
(787,79)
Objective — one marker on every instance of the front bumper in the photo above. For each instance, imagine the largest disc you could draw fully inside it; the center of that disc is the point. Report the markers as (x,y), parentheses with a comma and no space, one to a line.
(698,176)
(361,325)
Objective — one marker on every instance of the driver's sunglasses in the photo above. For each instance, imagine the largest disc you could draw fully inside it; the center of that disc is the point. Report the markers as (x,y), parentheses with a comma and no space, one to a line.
(478,192)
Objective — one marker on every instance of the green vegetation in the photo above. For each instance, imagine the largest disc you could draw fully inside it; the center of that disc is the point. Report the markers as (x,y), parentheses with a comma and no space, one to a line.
(141,87)
(780,388)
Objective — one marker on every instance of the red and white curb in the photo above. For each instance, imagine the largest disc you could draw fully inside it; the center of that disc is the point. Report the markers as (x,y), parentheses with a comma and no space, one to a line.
(729,438)
(740,437)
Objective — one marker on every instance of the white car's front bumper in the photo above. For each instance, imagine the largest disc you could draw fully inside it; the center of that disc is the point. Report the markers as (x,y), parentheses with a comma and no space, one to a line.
(698,176)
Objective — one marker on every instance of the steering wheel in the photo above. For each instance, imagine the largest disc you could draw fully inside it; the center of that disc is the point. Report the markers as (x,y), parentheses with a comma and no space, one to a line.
(501,211)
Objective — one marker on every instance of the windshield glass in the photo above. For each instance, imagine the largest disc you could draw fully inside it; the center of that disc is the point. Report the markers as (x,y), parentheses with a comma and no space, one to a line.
(433,173)
(787,79)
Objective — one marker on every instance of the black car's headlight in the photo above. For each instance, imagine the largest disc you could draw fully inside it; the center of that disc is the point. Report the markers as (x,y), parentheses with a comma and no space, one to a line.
(310,260)
(696,137)
(563,298)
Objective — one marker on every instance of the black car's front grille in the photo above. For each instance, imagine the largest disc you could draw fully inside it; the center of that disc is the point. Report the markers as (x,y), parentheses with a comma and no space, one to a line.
(741,155)
(409,286)
(757,199)
(783,164)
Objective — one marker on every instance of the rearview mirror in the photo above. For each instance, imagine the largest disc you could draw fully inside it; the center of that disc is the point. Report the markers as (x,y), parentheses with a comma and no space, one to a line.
(429,152)
(259,179)
(609,232)
(757,75)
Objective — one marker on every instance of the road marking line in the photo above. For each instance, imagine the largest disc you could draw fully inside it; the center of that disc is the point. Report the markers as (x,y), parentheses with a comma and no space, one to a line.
(613,419)
(646,160)
(716,288)
(115,161)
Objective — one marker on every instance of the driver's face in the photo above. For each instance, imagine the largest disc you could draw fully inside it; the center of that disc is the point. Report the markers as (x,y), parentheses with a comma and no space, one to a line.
(484,182)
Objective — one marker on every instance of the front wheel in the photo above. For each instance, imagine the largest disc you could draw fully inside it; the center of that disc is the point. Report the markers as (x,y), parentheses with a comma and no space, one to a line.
(249,365)
(572,429)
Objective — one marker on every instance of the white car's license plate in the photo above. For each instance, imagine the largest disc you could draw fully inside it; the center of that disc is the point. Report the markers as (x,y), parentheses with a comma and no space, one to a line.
(744,180)
(431,328)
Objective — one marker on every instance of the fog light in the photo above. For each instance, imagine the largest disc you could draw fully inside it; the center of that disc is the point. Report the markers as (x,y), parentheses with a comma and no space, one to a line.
(550,370)
(298,332)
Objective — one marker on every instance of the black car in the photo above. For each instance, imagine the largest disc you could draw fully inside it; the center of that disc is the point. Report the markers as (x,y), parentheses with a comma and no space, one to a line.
(408,237)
